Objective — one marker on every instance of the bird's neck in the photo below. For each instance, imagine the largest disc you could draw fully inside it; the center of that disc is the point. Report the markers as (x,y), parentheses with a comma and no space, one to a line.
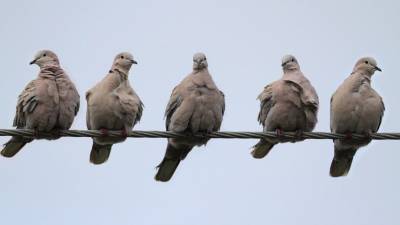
(363,72)
(363,75)
(200,71)
(51,71)
(290,72)
(50,65)
(291,69)
(123,72)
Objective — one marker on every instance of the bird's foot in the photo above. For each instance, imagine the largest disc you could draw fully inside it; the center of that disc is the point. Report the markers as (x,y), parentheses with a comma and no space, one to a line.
(348,136)
(124,133)
(103,132)
(298,136)
(55,134)
(368,135)
(200,133)
(38,134)
(279,134)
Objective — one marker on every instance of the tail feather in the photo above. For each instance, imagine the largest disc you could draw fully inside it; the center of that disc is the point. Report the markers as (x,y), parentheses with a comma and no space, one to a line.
(341,162)
(13,146)
(99,153)
(166,169)
(261,149)
(172,158)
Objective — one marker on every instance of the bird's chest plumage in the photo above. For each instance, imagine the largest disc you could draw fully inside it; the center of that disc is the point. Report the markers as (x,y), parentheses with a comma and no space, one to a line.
(203,97)
(52,92)
(354,107)
(201,91)
(102,104)
(47,96)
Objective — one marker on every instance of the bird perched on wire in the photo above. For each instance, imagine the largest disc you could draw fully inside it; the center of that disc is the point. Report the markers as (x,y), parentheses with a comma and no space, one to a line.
(196,106)
(355,108)
(112,104)
(289,104)
(47,104)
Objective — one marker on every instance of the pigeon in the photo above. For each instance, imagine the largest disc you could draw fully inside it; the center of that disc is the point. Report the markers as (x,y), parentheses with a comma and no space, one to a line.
(47,104)
(196,106)
(289,104)
(112,104)
(355,108)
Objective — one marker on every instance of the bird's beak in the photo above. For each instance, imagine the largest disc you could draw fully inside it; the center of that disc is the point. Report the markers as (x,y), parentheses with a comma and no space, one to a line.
(33,62)
(378,69)
(133,61)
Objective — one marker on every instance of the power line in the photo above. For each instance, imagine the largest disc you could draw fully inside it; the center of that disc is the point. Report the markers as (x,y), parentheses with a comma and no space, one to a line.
(223,134)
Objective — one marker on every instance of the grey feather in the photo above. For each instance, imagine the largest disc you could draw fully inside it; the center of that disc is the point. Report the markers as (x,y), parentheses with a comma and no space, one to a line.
(288,104)
(112,104)
(47,103)
(355,108)
(196,105)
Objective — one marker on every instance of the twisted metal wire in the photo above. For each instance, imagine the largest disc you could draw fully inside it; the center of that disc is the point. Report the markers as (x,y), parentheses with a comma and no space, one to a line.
(168,134)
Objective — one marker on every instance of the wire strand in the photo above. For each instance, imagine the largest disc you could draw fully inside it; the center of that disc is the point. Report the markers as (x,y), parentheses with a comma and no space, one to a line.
(222,134)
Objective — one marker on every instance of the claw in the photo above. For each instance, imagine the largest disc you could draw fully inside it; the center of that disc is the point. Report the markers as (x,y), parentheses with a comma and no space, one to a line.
(36,133)
(368,135)
(298,136)
(279,133)
(124,133)
(55,134)
(104,132)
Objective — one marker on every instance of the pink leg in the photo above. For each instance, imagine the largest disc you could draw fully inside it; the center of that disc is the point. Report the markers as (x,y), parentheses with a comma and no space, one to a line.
(104,132)
(124,133)
(348,136)
(279,133)
(368,135)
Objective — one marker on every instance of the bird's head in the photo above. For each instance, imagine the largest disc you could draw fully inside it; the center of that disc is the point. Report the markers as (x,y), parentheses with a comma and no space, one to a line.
(45,58)
(289,62)
(199,61)
(124,61)
(367,65)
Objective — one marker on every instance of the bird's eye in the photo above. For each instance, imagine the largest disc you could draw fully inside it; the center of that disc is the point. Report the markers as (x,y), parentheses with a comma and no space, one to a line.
(292,60)
(122,57)
(366,62)
(205,58)
(44,55)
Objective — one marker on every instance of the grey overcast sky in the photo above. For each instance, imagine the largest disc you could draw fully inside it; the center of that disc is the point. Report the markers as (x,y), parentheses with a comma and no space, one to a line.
(221,184)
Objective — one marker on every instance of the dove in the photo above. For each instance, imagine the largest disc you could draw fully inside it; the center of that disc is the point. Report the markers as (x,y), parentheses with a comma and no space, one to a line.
(47,104)
(112,104)
(289,104)
(196,105)
(355,108)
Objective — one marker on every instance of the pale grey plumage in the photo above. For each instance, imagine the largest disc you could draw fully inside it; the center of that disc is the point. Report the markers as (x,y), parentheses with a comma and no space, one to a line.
(355,108)
(288,104)
(196,105)
(48,103)
(112,104)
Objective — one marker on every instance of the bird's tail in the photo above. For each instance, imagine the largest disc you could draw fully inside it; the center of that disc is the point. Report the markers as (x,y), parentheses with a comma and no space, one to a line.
(13,146)
(99,153)
(168,165)
(166,169)
(261,149)
(341,162)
